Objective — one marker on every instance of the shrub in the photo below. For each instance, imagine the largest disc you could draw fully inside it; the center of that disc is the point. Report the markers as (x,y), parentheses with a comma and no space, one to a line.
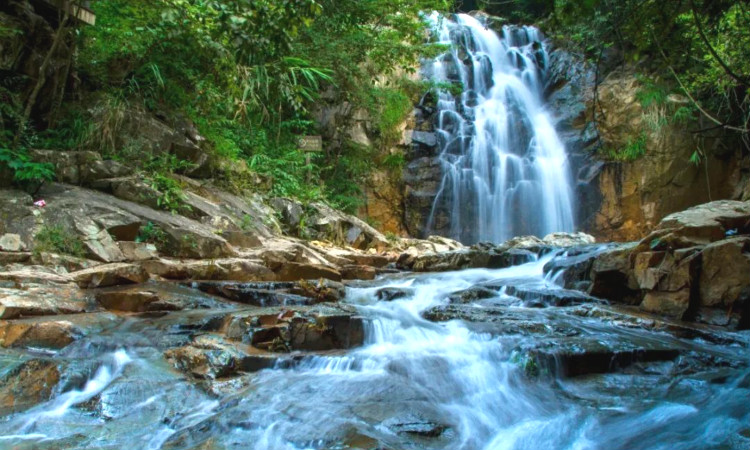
(58,239)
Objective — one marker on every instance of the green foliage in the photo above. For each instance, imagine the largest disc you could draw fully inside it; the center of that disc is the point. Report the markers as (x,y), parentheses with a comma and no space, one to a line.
(58,239)
(700,48)
(152,234)
(634,149)
(24,169)
(171,195)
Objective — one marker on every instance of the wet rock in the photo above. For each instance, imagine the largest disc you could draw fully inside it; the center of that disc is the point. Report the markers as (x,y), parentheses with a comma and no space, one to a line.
(489,257)
(327,332)
(415,425)
(473,294)
(110,275)
(390,293)
(540,296)
(54,334)
(573,357)
(207,357)
(28,384)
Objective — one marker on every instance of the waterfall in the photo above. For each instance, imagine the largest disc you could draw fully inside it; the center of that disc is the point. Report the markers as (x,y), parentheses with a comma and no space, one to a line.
(505,170)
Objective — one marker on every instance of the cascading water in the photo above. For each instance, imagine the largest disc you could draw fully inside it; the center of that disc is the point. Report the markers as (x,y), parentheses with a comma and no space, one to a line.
(505,170)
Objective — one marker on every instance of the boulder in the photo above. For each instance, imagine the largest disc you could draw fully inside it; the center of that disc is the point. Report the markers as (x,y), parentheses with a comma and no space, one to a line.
(355,272)
(110,275)
(54,334)
(612,276)
(673,304)
(709,222)
(725,272)
(326,223)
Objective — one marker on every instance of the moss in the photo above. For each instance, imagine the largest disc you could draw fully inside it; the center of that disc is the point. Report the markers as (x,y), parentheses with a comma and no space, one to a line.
(57,239)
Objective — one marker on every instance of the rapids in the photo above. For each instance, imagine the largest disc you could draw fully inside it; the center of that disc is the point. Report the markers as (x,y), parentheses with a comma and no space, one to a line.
(415,384)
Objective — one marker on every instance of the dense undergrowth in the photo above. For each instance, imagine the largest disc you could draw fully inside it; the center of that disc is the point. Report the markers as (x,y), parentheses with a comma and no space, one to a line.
(250,75)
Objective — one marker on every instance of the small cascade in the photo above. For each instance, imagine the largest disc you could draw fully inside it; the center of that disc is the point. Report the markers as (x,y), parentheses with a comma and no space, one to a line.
(505,170)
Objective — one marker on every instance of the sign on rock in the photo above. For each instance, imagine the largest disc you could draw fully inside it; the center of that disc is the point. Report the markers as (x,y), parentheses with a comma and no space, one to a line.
(310,143)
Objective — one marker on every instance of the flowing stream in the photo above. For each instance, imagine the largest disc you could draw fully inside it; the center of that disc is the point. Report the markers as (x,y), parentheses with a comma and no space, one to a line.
(505,170)
(415,384)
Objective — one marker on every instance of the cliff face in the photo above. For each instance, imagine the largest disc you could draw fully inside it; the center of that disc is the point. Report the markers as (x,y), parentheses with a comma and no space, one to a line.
(622,200)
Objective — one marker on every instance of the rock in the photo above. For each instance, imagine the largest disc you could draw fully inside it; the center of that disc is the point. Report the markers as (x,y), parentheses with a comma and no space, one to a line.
(207,358)
(132,300)
(64,263)
(275,293)
(40,301)
(568,239)
(573,357)
(97,241)
(34,275)
(230,269)
(390,293)
(673,304)
(328,332)
(708,222)
(292,271)
(611,275)
(138,251)
(725,272)
(291,214)
(326,223)
(10,242)
(110,275)
(541,297)
(32,333)
(28,384)
(354,272)
(490,257)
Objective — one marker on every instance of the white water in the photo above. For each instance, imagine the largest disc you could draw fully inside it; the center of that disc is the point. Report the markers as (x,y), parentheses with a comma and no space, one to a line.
(410,373)
(505,170)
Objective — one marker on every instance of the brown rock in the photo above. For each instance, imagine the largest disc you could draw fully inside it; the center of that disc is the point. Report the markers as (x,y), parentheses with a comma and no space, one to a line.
(291,271)
(673,304)
(131,300)
(726,272)
(32,333)
(352,272)
(28,384)
(110,275)
(40,301)
(231,269)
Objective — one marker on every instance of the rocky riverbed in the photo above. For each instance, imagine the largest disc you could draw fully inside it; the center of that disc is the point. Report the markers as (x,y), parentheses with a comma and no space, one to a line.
(243,328)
